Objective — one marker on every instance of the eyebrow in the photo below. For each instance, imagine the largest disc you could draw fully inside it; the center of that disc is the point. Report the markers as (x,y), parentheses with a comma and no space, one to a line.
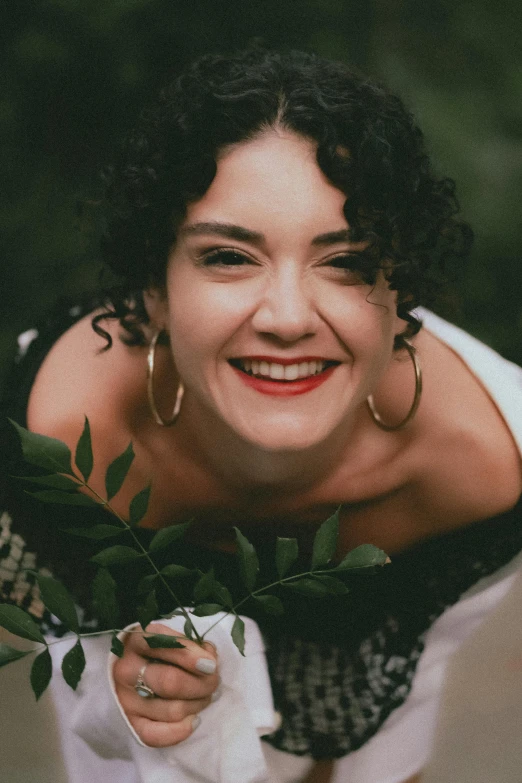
(332,237)
(230,231)
(227,230)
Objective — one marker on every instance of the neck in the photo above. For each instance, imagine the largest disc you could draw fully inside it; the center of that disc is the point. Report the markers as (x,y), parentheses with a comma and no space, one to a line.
(249,470)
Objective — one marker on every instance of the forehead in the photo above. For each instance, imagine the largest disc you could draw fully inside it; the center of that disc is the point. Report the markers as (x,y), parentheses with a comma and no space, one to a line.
(270,177)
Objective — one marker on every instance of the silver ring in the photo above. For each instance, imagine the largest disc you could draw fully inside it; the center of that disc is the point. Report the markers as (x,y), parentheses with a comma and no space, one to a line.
(141,687)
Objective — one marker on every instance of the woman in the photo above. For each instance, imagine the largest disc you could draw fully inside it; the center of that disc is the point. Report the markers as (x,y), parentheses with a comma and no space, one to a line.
(275,221)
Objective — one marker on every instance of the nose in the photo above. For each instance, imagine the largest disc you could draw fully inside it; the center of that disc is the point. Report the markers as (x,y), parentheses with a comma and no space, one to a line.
(286,310)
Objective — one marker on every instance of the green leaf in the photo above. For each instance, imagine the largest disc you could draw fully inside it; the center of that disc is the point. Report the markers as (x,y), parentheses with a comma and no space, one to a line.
(83,456)
(222,594)
(58,601)
(9,654)
(48,453)
(312,588)
(138,506)
(146,584)
(63,498)
(16,621)
(115,554)
(287,552)
(238,634)
(148,611)
(248,562)
(41,673)
(117,471)
(117,646)
(167,536)
(334,586)
(325,541)
(270,603)
(160,640)
(97,532)
(204,588)
(175,613)
(188,630)
(73,665)
(55,481)
(364,556)
(174,571)
(104,599)
(204,610)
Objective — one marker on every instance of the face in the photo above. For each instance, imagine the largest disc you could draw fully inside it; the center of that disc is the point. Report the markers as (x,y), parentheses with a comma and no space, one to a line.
(273,332)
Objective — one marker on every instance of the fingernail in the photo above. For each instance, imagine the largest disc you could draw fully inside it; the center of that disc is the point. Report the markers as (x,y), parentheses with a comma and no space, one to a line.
(206,665)
(196,720)
(217,693)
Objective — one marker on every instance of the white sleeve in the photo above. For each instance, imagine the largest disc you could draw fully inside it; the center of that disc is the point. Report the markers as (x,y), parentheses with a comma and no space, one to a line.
(226,747)
(93,738)
(404,744)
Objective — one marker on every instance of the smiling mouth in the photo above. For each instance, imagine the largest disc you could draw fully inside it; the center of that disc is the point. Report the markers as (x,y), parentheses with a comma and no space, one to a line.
(273,371)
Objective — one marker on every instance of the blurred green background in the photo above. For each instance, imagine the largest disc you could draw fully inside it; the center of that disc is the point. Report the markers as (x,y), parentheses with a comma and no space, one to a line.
(74,73)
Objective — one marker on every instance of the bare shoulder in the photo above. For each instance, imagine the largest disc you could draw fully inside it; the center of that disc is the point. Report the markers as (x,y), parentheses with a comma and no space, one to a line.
(468,459)
(78,379)
(77,371)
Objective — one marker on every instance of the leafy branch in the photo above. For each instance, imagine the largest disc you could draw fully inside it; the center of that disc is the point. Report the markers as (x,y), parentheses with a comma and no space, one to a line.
(47,453)
(67,486)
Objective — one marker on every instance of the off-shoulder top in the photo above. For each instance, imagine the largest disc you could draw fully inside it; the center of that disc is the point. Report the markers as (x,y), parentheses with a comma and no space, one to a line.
(339,667)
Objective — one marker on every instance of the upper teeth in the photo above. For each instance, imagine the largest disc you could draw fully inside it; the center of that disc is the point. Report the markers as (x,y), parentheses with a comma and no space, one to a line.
(280,372)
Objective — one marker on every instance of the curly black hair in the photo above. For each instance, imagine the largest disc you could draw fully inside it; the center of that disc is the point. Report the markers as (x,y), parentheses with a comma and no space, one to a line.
(368,146)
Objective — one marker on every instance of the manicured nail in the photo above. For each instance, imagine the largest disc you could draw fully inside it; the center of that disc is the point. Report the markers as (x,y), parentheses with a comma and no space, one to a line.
(206,665)
(217,693)
(196,720)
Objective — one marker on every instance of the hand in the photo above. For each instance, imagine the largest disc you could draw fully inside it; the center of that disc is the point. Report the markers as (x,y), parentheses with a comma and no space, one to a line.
(182,679)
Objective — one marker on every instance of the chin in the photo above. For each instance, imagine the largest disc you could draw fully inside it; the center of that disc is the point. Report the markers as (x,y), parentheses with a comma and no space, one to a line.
(281,439)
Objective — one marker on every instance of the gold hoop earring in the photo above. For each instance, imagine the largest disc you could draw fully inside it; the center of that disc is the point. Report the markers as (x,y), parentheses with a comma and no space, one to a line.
(151,357)
(416,399)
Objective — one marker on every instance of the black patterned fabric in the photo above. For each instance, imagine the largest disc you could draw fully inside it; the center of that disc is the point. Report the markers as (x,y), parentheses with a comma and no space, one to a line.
(334,697)
(338,667)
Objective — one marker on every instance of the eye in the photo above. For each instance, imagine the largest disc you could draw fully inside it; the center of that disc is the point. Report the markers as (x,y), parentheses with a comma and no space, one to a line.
(351,268)
(344,261)
(225,258)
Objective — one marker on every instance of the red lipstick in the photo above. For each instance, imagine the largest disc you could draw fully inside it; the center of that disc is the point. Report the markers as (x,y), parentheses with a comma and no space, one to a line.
(285,388)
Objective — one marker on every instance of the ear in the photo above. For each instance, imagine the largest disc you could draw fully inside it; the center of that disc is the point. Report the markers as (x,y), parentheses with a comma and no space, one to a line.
(157,307)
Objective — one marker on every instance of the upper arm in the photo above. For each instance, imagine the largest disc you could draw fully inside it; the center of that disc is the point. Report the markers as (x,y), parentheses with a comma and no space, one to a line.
(77,381)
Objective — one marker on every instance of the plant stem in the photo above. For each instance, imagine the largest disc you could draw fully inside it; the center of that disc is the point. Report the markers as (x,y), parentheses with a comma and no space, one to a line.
(199,639)
(91,633)
(234,609)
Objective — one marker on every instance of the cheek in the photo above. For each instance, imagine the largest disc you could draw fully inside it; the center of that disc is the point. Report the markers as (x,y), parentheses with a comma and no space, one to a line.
(362,318)
(203,318)
(381,304)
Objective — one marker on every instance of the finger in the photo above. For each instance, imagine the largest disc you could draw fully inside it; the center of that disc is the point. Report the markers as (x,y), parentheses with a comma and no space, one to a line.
(170,682)
(167,681)
(164,710)
(158,734)
(193,657)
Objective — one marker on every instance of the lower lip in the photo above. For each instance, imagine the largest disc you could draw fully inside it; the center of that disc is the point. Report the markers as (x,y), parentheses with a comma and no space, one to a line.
(285,388)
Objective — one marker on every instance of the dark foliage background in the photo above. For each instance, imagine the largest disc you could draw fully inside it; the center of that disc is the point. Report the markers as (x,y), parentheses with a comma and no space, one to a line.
(74,73)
